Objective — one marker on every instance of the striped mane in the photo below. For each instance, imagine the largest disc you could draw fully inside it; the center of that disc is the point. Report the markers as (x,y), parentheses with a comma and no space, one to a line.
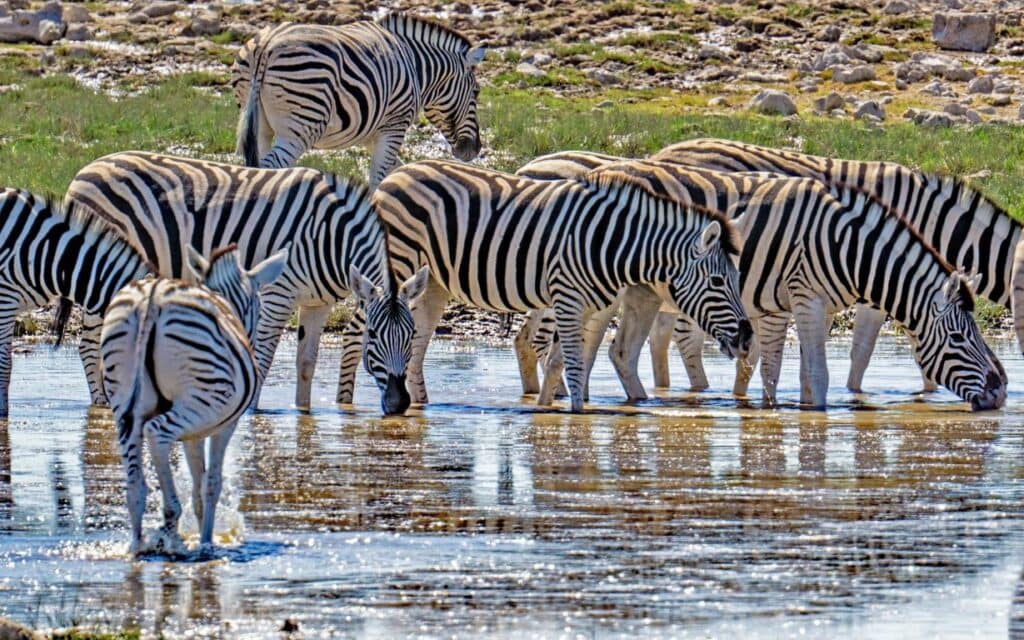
(355,189)
(425,30)
(631,175)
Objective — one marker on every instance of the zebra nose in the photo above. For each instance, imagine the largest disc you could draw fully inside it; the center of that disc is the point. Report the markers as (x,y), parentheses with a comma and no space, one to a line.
(993,382)
(744,336)
(396,398)
(467,148)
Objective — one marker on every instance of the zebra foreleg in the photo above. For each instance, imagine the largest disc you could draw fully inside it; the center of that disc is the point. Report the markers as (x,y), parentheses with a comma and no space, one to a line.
(593,335)
(810,325)
(89,352)
(771,334)
(351,348)
(570,318)
(745,365)
(867,322)
(554,367)
(689,341)
(385,153)
(214,481)
(660,341)
(311,326)
(526,356)
(639,308)
(7,319)
(426,312)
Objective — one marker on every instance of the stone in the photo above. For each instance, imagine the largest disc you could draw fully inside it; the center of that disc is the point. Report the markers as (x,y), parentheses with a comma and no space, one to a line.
(78,32)
(1020,112)
(955,109)
(718,101)
(79,51)
(204,24)
(603,77)
(999,100)
(866,52)
(830,33)
(834,55)
(778,30)
(43,25)
(708,52)
(542,59)
(901,84)
(850,75)
(138,18)
(869,109)
(604,104)
(161,8)
(528,69)
(746,45)
(897,7)
(973,117)
(910,72)
(964,31)
(11,630)
(936,88)
(933,119)
(76,13)
(772,101)
(981,84)
(829,102)
(945,66)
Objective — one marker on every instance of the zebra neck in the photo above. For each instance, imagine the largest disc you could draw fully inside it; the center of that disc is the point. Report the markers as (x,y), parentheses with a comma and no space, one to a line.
(90,267)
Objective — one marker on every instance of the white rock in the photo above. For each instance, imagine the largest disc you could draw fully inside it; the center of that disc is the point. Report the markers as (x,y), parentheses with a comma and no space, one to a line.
(78,32)
(981,84)
(955,109)
(870,109)
(999,100)
(773,101)
(829,102)
(1020,112)
(530,70)
(161,8)
(964,31)
(76,13)
(973,117)
(850,75)
(897,7)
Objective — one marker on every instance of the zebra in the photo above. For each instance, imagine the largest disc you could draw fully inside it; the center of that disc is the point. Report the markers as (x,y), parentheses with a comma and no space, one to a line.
(178,364)
(48,252)
(509,244)
(162,204)
(305,86)
(967,228)
(808,253)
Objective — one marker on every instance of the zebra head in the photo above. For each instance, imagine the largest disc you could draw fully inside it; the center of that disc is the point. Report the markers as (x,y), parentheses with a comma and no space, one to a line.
(452,107)
(951,351)
(387,338)
(224,274)
(708,290)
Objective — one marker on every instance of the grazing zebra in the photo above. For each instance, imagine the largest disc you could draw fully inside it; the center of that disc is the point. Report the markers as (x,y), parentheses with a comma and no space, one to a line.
(968,230)
(509,244)
(162,204)
(178,364)
(808,253)
(49,252)
(305,86)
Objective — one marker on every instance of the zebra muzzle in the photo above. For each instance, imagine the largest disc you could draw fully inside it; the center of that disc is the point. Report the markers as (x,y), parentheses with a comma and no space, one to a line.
(395,399)
(466,148)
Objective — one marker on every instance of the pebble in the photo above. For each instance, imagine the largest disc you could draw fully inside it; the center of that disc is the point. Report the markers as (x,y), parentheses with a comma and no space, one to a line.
(870,109)
(773,101)
(981,84)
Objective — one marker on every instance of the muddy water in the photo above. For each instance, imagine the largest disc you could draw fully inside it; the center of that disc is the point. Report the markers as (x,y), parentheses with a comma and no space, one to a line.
(482,517)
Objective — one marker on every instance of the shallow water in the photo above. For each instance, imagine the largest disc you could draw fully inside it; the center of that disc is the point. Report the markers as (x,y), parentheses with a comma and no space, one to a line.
(684,516)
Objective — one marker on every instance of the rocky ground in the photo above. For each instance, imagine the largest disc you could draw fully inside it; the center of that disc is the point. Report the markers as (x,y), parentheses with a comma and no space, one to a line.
(920,60)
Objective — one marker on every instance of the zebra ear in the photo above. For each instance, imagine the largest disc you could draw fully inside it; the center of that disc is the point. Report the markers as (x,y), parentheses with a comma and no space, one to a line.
(475,56)
(710,236)
(366,292)
(197,264)
(949,290)
(974,281)
(269,269)
(414,286)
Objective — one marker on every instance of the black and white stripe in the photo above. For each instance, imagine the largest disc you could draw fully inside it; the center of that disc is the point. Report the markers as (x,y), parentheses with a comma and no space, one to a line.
(309,86)
(511,244)
(178,365)
(968,230)
(810,254)
(49,252)
(162,204)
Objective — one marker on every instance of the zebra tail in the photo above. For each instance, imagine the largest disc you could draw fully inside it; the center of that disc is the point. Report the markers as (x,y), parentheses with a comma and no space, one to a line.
(59,324)
(1017,293)
(250,119)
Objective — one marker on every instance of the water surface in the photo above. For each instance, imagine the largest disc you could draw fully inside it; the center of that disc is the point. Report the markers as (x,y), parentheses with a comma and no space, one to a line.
(684,516)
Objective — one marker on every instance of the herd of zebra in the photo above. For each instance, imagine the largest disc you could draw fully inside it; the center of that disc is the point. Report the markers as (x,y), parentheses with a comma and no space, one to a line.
(705,237)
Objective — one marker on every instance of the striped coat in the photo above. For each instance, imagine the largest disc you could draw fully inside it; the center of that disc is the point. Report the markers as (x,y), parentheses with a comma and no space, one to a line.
(308,86)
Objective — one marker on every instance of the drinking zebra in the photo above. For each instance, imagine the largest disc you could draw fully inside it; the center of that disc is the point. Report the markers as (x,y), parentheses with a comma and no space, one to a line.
(968,230)
(305,86)
(178,364)
(49,252)
(510,244)
(807,253)
(162,204)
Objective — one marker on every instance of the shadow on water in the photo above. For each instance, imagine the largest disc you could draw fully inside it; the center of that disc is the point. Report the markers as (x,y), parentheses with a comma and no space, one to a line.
(484,514)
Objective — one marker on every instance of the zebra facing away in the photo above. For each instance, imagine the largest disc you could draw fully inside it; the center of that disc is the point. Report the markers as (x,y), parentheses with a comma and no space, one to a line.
(48,252)
(510,244)
(968,230)
(162,205)
(807,253)
(178,365)
(310,86)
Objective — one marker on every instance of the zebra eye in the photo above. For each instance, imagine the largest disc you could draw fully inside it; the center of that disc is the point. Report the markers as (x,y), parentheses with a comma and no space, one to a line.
(956,336)
(371,334)
(717,281)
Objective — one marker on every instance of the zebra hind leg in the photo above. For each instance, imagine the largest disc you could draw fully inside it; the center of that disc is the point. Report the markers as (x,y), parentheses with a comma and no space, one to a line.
(196,455)
(810,324)
(7,319)
(214,481)
(426,312)
(660,339)
(639,309)
(129,438)
(311,326)
(689,341)
(771,334)
(526,356)
(161,433)
(89,351)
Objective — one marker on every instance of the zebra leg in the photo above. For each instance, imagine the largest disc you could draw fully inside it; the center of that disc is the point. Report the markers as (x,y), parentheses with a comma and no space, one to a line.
(214,481)
(525,354)
(806,386)
(570,318)
(745,366)
(290,144)
(639,308)
(660,341)
(385,153)
(161,433)
(593,335)
(129,440)
(771,334)
(311,326)
(351,349)
(196,455)
(554,367)
(689,341)
(810,325)
(7,319)
(867,322)
(89,352)
(426,313)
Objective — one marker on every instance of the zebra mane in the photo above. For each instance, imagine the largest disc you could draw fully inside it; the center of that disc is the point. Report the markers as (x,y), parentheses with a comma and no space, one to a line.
(964,191)
(966,295)
(221,252)
(354,188)
(625,175)
(426,30)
